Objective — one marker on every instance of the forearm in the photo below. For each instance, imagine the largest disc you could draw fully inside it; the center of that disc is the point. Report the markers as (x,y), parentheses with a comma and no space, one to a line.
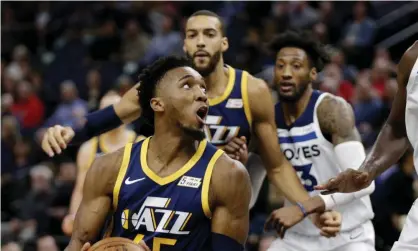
(389,147)
(97,123)
(286,180)
(339,199)
(74,245)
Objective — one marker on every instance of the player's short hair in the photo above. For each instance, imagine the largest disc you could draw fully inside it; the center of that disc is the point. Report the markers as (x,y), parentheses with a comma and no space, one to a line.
(211,14)
(149,79)
(304,40)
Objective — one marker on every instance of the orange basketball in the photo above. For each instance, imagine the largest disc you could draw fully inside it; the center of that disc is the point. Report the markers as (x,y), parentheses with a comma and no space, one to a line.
(116,244)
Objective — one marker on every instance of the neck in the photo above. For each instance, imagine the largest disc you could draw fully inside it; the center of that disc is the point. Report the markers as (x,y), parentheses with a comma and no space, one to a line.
(293,110)
(168,144)
(217,80)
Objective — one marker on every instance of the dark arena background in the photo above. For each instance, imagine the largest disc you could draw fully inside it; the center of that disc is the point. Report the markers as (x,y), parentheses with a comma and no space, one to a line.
(59,58)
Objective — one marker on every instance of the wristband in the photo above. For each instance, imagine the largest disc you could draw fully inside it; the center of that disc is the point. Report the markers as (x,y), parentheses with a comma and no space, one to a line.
(302,209)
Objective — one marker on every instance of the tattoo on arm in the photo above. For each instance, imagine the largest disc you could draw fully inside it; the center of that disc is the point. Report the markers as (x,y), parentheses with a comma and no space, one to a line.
(336,118)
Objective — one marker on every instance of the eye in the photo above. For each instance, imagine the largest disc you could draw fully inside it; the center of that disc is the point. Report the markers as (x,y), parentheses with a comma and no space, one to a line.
(203,89)
(297,66)
(280,66)
(186,86)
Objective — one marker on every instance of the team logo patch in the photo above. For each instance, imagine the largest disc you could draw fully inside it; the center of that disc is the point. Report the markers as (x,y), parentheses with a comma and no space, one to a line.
(234,103)
(187,181)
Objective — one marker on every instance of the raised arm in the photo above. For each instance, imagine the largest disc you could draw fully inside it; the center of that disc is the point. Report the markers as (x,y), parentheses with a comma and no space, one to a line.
(97,198)
(127,110)
(279,170)
(231,190)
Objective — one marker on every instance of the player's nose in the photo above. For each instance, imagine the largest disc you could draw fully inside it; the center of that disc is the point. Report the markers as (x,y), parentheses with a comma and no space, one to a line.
(201,96)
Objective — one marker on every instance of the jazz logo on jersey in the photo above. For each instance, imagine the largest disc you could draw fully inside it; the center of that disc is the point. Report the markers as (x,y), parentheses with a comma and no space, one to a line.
(219,134)
(146,217)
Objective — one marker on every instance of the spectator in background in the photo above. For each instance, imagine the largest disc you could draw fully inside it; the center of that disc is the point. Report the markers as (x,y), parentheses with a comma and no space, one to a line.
(6,104)
(301,15)
(107,42)
(11,246)
(167,42)
(10,134)
(381,73)
(46,243)
(331,19)
(135,43)
(94,83)
(358,35)
(338,58)
(28,108)
(367,109)
(19,68)
(72,109)
(333,82)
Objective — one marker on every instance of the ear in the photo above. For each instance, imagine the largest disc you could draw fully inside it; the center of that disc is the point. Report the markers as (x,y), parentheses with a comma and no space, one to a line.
(157,104)
(313,74)
(224,44)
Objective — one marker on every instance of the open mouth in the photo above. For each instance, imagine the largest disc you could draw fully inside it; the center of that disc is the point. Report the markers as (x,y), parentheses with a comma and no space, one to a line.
(201,54)
(201,114)
(286,86)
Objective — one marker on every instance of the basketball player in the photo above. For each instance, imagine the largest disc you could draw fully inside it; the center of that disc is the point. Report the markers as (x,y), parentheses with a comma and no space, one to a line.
(105,143)
(173,190)
(391,145)
(240,106)
(318,136)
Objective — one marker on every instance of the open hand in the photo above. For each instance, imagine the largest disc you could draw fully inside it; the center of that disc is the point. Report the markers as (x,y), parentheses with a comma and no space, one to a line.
(346,182)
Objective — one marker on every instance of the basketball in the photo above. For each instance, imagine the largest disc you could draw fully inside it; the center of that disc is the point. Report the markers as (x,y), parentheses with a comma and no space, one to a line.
(116,244)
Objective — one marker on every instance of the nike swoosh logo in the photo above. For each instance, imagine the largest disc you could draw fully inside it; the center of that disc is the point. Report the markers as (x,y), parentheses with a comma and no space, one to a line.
(129,182)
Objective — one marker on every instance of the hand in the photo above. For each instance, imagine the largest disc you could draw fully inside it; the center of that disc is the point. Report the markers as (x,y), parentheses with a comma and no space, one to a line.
(284,218)
(144,246)
(346,182)
(56,139)
(67,224)
(328,222)
(237,149)
(86,246)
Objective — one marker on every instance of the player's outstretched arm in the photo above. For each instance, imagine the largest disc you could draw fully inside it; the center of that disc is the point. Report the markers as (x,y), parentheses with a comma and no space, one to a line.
(336,118)
(96,202)
(391,143)
(280,172)
(231,190)
(127,110)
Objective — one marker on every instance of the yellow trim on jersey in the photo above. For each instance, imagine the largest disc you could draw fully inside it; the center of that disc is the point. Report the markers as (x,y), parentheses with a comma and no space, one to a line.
(169,219)
(185,222)
(228,89)
(206,183)
(172,177)
(140,138)
(121,174)
(108,232)
(245,99)
(105,148)
(153,218)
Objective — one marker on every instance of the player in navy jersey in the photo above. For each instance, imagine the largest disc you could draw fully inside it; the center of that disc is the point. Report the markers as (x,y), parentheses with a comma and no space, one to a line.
(174,190)
(318,136)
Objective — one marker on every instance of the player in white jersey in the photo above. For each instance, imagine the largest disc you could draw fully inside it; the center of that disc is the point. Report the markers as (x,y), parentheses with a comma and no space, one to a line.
(400,130)
(318,136)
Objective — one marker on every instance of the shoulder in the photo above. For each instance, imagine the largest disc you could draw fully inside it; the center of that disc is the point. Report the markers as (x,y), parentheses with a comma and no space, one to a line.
(260,99)
(257,86)
(88,145)
(335,114)
(228,176)
(105,169)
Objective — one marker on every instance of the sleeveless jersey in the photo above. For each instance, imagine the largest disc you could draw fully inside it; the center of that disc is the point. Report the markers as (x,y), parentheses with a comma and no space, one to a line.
(411,111)
(170,213)
(315,162)
(229,115)
(99,147)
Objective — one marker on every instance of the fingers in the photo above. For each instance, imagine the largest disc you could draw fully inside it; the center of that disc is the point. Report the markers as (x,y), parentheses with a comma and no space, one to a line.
(144,246)
(52,141)
(86,246)
(47,147)
(68,134)
(330,231)
(58,137)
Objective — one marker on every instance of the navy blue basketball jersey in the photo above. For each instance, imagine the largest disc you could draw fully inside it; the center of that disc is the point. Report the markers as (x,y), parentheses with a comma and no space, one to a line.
(229,115)
(168,213)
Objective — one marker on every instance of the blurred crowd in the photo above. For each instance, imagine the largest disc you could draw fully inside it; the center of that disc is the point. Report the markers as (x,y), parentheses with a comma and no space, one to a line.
(59,58)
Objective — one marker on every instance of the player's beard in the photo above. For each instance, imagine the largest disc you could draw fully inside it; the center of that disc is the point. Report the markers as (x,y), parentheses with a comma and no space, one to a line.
(296,95)
(213,62)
